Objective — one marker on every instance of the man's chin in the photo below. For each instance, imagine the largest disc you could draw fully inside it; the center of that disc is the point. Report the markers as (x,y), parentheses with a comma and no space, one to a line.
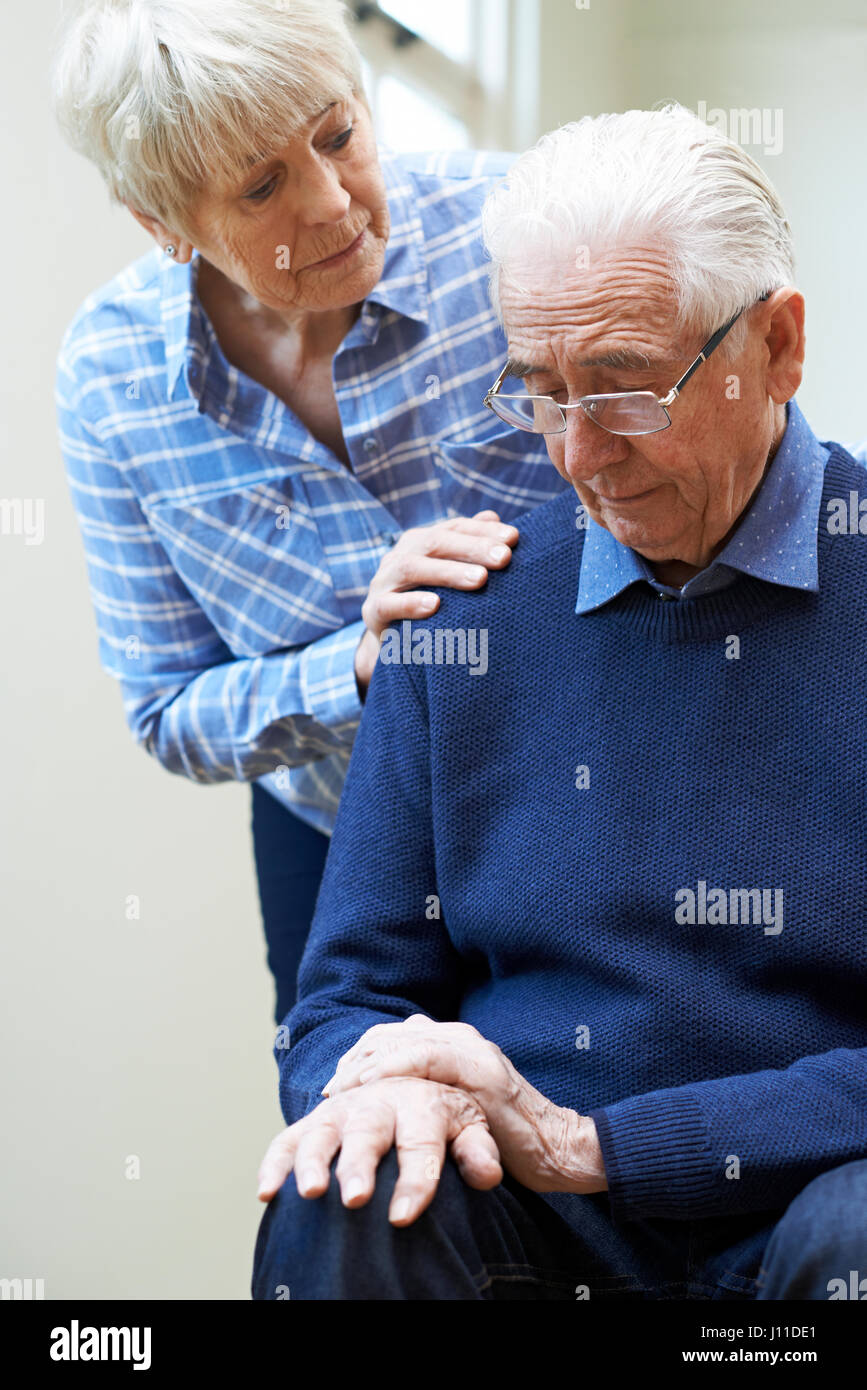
(650,541)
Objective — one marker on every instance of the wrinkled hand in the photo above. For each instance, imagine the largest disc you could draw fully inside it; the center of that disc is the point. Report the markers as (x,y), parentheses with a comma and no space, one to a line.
(421,1119)
(452,554)
(544,1146)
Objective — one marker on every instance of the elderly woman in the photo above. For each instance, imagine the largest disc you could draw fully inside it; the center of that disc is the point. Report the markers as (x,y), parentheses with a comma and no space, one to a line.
(273,423)
(599,1030)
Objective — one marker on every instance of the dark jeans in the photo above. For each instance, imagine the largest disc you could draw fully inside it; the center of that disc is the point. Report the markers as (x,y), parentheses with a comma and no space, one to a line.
(290,857)
(513,1244)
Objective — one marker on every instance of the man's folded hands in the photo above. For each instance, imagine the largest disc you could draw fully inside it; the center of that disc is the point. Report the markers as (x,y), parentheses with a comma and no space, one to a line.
(428,1089)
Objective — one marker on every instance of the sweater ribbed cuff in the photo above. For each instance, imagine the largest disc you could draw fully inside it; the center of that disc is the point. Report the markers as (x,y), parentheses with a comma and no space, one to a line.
(657,1159)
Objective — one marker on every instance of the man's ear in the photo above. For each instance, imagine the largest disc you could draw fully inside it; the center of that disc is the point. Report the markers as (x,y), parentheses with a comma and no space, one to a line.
(161,234)
(784,339)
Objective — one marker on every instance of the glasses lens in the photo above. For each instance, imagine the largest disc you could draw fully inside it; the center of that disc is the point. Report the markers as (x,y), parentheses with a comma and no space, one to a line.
(534,413)
(627,412)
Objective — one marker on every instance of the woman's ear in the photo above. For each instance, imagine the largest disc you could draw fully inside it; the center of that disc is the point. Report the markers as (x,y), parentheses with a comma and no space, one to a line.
(162,236)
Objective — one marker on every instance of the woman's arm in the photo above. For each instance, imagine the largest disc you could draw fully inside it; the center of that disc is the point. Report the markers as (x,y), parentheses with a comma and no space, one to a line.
(201,711)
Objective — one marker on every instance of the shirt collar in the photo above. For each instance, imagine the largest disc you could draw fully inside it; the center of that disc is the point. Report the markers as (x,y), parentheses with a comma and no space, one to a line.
(181,312)
(775,541)
(402,287)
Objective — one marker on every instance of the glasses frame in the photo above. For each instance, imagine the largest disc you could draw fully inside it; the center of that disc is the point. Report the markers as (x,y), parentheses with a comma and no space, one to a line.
(587,403)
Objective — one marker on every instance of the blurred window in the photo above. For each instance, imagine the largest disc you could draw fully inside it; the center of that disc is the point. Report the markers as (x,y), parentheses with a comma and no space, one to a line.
(436,72)
(446,25)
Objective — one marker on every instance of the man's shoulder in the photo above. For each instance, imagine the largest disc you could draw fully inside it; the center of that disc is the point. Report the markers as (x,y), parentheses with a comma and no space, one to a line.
(548,553)
(843,505)
(847,453)
(550,526)
(856,451)
(539,582)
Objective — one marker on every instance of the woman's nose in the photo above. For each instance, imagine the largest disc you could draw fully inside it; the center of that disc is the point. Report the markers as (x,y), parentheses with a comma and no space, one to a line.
(322,197)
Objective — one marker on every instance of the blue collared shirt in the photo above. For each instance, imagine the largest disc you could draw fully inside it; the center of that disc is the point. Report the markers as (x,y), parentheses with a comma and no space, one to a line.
(776,540)
(229,551)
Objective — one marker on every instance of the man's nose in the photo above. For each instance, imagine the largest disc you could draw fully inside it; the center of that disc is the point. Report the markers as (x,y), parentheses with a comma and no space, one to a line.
(589,448)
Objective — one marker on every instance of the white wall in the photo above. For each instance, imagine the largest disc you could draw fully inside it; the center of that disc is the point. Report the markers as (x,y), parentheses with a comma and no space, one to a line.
(153,1038)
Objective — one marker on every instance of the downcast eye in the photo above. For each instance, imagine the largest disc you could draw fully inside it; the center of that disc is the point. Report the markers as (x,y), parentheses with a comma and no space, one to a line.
(260,194)
(342,139)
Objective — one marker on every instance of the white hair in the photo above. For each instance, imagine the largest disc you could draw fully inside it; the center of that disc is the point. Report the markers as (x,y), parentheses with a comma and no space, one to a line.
(658,178)
(165,95)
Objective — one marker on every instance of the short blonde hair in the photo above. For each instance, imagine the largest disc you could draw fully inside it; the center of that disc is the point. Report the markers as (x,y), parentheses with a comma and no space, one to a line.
(165,95)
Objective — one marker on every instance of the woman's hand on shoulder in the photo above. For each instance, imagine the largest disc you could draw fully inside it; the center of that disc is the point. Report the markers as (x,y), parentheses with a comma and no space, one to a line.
(453,554)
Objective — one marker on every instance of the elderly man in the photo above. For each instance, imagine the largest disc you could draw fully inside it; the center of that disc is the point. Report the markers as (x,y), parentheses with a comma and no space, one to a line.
(585,985)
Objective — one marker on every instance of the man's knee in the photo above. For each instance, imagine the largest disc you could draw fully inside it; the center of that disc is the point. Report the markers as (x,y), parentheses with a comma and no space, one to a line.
(316,1248)
(821,1239)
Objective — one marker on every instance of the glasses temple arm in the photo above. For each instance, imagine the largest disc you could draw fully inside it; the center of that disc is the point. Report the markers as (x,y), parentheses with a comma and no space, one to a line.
(498,383)
(709,347)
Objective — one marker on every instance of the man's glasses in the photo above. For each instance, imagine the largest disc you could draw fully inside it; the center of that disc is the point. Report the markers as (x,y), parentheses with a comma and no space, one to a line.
(621,412)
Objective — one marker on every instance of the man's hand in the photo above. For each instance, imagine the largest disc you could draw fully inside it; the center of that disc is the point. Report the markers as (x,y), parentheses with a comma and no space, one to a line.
(419,1118)
(544,1146)
(454,554)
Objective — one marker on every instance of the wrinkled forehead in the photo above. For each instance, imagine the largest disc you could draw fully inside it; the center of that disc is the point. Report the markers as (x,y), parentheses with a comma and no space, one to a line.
(623,299)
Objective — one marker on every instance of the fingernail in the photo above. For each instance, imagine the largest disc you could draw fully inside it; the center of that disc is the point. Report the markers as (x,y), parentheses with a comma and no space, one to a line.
(400,1210)
(499,552)
(475,572)
(353,1189)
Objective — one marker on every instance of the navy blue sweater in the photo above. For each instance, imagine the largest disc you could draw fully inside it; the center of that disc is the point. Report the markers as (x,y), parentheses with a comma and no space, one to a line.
(560,851)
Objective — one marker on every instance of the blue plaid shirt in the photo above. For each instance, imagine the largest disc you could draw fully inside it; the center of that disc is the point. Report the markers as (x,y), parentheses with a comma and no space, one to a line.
(228,551)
